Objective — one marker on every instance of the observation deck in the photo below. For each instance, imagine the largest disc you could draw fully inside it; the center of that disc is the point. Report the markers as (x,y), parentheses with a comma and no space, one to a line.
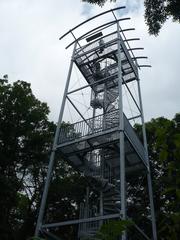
(97,55)
(75,140)
(106,48)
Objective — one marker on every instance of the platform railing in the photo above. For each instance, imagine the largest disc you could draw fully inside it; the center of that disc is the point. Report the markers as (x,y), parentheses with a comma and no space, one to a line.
(133,138)
(90,126)
(98,124)
(95,46)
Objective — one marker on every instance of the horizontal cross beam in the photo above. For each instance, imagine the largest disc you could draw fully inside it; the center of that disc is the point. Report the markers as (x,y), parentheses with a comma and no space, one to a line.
(84,220)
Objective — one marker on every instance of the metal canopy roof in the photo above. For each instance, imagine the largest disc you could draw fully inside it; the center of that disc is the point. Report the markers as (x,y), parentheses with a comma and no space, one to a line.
(107,30)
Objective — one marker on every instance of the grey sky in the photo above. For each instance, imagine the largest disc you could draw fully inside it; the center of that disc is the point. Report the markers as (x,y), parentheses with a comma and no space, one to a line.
(30,51)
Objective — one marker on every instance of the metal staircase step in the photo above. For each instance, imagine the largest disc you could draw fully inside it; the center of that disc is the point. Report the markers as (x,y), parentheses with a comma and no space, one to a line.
(111,210)
(110,204)
(111,190)
(108,187)
(111,199)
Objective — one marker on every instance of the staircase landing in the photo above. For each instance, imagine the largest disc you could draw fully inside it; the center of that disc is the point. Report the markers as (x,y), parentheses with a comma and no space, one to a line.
(79,138)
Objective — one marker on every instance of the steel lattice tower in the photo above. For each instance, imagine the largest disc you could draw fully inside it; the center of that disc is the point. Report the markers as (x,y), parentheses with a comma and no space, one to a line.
(104,146)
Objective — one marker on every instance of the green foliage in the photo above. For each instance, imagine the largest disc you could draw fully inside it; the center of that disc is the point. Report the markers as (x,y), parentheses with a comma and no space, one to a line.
(25,142)
(158,11)
(98,2)
(155,15)
(113,229)
(164,152)
(26,137)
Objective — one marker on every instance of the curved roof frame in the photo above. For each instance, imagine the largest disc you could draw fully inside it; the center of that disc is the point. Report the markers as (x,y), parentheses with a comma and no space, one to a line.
(104,26)
(98,15)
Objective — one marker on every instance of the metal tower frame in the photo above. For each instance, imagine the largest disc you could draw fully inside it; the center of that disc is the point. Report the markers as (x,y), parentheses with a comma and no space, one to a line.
(90,50)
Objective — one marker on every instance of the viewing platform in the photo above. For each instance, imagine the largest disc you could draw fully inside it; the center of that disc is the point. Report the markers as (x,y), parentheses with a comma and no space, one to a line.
(81,137)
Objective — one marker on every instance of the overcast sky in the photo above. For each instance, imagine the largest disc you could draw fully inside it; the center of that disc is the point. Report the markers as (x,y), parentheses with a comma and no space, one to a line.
(30,51)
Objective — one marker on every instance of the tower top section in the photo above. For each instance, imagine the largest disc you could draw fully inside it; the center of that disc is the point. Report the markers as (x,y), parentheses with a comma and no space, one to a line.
(96,50)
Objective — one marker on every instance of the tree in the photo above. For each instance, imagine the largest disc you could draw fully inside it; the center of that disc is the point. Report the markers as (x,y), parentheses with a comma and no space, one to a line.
(63,203)
(156,12)
(26,137)
(111,230)
(25,140)
(98,2)
(164,152)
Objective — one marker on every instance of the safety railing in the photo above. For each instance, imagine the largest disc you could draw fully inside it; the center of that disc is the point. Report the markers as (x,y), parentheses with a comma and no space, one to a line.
(133,138)
(97,45)
(99,124)
(97,166)
(90,227)
(89,126)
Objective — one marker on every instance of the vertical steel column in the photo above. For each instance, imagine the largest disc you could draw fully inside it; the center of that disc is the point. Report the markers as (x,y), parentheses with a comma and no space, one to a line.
(153,219)
(87,203)
(104,107)
(121,128)
(101,207)
(51,160)
(86,213)
(94,110)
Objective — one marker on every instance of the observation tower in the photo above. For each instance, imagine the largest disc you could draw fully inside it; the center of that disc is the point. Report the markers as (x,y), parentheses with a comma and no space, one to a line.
(101,103)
